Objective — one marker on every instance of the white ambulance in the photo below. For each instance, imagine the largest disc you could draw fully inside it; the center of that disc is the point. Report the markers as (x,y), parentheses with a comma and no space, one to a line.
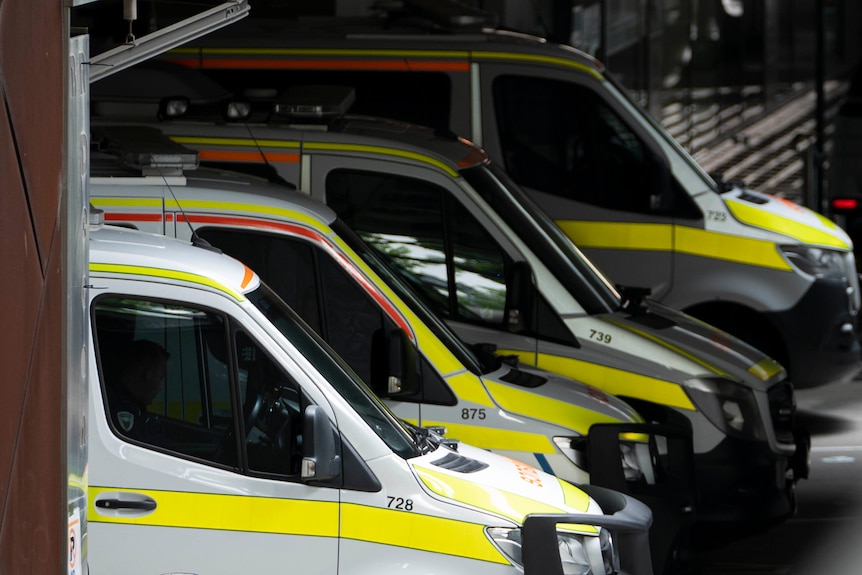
(225,437)
(775,274)
(324,272)
(480,255)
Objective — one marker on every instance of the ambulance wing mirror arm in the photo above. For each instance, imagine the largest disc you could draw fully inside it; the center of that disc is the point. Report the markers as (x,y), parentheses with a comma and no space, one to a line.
(520,297)
(393,364)
(320,454)
(634,298)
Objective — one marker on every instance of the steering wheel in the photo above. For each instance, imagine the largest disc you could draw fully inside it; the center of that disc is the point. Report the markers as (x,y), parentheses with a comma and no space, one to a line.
(226,448)
(252,412)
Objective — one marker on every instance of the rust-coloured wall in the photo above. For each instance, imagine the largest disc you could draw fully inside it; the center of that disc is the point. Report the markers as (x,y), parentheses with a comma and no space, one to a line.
(32,452)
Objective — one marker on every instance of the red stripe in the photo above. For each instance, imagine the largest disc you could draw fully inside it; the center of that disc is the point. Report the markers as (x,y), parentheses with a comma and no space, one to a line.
(348,266)
(121,217)
(234,156)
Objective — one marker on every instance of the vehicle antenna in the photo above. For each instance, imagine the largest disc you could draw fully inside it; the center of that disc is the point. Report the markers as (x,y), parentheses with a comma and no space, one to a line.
(196,239)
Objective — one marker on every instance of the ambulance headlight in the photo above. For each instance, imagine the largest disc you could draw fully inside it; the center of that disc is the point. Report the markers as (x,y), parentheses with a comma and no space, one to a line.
(508,540)
(634,456)
(579,554)
(814,261)
(730,406)
(574,448)
(636,461)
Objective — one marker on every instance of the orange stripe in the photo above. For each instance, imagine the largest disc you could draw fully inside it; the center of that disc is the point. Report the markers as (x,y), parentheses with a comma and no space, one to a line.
(282,64)
(247,277)
(227,156)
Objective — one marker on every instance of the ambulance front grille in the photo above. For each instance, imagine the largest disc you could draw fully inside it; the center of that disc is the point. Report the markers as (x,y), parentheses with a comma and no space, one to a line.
(853,282)
(459,463)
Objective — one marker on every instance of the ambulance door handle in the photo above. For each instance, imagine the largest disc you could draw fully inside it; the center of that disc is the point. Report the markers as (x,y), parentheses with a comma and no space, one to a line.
(124,504)
(117,504)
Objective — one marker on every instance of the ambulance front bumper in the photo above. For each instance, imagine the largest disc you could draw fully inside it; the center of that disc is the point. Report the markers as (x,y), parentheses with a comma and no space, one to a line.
(627,518)
(747,484)
(821,332)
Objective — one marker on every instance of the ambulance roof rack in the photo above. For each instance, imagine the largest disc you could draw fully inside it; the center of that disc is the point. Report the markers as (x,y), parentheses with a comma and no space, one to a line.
(314,104)
(145,150)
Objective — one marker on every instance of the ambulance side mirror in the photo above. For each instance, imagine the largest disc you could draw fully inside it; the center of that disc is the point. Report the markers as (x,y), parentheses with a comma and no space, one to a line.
(393,364)
(320,454)
(520,297)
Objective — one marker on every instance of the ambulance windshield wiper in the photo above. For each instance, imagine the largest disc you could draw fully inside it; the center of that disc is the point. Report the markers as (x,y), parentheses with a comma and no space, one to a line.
(427,438)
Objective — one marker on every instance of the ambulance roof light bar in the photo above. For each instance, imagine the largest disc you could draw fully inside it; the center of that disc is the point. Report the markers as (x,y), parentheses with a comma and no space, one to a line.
(146,150)
(315,104)
(174,107)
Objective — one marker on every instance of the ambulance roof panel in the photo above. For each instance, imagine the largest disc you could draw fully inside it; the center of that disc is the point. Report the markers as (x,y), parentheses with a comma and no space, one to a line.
(116,250)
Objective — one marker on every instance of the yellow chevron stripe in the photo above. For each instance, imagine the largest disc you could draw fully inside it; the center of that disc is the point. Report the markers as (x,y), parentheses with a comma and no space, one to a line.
(666,238)
(612,380)
(536,59)
(513,506)
(308,518)
(164,273)
(664,343)
(543,408)
(381,150)
(806,234)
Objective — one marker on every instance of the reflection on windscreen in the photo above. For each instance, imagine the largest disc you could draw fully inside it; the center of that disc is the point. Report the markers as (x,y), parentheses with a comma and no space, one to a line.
(433,242)
(394,281)
(593,290)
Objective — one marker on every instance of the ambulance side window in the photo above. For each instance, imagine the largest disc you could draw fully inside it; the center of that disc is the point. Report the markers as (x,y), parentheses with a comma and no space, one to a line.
(563,139)
(313,285)
(429,238)
(287,266)
(271,411)
(189,410)
(333,303)
(209,379)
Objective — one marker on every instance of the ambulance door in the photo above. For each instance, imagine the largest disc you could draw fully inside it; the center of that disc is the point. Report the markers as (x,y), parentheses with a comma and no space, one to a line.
(205,478)
(573,150)
(350,317)
(441,249)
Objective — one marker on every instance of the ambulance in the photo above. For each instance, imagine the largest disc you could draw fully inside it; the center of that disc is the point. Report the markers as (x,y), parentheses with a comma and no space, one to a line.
(571,430)
(775,274)
(477,252)
(264,452)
